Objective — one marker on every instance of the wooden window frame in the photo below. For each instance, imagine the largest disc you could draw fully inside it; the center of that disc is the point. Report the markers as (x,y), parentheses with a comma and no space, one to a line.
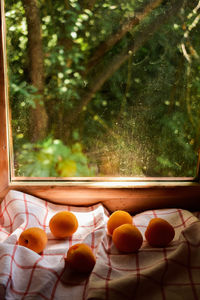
(131,194)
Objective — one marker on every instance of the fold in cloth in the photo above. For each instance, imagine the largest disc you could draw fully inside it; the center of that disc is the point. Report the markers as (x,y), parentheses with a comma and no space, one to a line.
(151,273)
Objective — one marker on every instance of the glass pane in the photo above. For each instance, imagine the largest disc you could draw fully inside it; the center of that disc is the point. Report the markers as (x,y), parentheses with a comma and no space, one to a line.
(104,88)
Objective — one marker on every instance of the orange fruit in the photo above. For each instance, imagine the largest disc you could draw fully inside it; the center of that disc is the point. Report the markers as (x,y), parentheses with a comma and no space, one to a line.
(63,224)
(80,258)
(117,218)
(127,238)
(159,232)
(33,238)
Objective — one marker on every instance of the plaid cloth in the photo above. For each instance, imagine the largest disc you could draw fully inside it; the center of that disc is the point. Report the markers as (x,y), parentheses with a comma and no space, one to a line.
(152,273)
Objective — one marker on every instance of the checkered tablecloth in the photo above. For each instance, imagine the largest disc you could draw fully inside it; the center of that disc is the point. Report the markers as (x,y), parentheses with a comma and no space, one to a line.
(152,273)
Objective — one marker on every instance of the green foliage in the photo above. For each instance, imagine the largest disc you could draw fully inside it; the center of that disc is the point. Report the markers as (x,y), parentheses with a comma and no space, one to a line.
(143,121)
(51,158)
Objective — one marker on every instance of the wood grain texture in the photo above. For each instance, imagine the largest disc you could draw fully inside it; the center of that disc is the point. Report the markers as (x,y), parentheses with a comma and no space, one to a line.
(130,199)
(3,136)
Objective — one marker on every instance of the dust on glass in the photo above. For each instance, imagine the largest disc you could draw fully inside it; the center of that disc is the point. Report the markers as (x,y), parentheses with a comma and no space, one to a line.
(104,88)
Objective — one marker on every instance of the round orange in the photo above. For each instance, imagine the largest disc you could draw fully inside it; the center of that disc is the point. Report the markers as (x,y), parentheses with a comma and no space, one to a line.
(159,232)
(63,224)
(127,238)
(80,258)
(117,218)
(33,238)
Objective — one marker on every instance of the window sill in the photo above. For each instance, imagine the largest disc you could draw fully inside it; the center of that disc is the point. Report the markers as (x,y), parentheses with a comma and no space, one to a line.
(130,196)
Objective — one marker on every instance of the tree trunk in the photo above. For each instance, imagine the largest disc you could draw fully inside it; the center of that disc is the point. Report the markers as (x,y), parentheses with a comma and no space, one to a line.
(38,115)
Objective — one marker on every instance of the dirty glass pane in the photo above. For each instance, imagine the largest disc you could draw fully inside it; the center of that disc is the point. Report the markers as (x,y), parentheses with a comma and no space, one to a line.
(104,88)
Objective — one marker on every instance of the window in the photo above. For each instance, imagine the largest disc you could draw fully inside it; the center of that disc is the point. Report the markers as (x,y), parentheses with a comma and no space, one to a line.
(104,100)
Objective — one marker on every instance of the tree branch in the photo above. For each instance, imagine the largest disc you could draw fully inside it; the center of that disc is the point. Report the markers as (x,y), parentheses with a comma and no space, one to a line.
(117,36)
(104,74)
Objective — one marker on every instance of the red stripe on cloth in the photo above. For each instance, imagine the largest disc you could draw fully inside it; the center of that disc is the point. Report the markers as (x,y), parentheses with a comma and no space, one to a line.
(78,240)
(182,284)
(156,282)
(118,292)
(7,204)
(45,217)
(3,231)
(54,254)
(183,222)
(85,289)
(6,210)
(24,213)
(163,275)
(181,217)
(59,276)
(4,274)
(11,265)
(31,293)
(31,266)
(182,264)
(114,267)
(31,277)
(93,227)
(137,274)
(15,247)
(97,221)
(92,246)
(98,275)
(1,216)
(168,284)
(154,213)
(56,284)
(109,268)
(195,295)
(19,200)
(159,212)
(175,226)
(38,260)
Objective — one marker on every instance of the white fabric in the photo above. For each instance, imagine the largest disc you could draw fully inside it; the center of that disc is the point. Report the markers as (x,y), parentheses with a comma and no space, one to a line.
(152,273)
